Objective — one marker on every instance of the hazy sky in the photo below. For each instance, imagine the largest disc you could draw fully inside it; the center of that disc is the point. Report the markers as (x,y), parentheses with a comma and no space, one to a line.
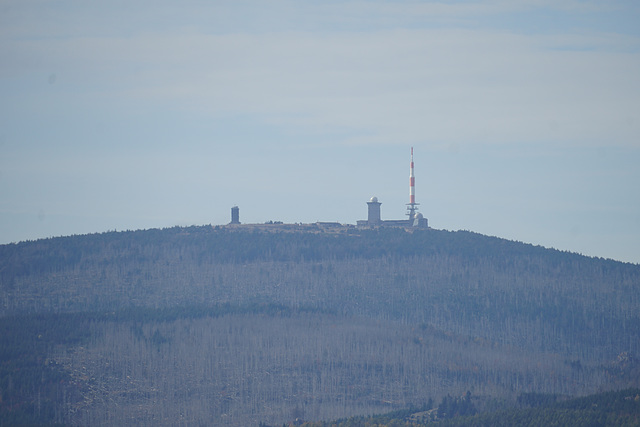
(524,115)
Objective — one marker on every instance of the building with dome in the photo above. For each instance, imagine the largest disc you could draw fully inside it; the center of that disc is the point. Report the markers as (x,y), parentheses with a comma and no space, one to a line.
(374,211)
(374,220)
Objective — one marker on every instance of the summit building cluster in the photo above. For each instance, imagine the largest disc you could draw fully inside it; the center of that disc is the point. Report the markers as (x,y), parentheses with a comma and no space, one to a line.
(415,218)
(374,220)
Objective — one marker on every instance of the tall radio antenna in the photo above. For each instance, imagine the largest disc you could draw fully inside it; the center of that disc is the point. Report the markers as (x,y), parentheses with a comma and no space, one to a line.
(412,206)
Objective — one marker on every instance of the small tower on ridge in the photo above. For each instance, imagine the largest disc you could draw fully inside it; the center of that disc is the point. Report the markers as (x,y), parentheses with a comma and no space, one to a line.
(235,215)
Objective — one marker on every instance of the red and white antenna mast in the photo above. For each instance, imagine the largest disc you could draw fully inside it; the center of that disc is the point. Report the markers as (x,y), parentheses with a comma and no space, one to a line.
(412,206)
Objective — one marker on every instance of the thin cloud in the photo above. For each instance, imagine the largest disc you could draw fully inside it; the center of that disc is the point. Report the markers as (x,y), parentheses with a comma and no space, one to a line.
(454,85)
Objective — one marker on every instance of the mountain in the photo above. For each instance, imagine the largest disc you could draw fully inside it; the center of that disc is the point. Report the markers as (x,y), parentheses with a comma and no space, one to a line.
(246,324)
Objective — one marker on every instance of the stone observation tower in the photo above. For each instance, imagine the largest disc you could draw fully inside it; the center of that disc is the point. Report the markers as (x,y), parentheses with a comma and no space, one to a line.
(374,211)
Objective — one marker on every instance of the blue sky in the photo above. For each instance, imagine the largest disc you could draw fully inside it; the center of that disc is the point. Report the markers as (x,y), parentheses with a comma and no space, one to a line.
(524,115)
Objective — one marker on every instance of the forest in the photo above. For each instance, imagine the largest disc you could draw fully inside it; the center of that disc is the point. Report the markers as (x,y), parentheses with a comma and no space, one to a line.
(614,408)
(245,326)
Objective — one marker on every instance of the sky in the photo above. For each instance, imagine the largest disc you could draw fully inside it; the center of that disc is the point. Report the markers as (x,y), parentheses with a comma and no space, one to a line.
(524,116)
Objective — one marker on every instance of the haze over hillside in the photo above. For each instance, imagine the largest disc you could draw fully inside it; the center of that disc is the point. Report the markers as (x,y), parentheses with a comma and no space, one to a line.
(241,325)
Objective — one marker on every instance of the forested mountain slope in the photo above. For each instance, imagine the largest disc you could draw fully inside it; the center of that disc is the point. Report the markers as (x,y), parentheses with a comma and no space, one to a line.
(614,409)
(327,324)
(462,282)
